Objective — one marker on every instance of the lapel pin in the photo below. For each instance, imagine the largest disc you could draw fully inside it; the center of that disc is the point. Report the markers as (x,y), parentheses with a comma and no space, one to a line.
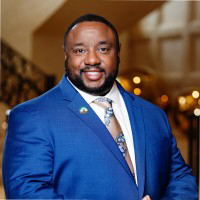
(83,110)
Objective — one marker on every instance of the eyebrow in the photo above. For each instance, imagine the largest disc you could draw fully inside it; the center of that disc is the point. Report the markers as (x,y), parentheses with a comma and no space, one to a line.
(104,42)
(79,44)
(100,43)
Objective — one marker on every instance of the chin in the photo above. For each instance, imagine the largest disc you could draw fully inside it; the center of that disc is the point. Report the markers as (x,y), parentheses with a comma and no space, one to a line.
(98,88)
(94,85)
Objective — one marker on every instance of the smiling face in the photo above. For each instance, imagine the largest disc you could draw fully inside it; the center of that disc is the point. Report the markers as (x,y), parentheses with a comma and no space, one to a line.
(92,58)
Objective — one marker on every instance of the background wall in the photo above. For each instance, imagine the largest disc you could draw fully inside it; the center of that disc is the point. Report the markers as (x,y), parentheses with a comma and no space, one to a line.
(168,42)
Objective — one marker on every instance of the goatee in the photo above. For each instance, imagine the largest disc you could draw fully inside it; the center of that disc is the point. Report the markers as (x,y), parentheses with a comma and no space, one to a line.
(97,91)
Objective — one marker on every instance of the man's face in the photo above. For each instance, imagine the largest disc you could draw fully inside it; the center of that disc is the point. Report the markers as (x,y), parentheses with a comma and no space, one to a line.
(91,57)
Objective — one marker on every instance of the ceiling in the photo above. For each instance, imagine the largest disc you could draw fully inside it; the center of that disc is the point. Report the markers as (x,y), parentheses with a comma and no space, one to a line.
(121,13)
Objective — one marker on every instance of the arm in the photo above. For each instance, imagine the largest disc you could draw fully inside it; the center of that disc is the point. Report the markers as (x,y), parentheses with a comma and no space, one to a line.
(27,159)
(182,184)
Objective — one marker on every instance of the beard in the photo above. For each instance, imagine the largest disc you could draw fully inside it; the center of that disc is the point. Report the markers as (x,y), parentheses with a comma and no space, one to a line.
(101,90)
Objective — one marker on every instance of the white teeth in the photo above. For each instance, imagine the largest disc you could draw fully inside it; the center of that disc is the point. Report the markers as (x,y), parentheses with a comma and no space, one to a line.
(92,73)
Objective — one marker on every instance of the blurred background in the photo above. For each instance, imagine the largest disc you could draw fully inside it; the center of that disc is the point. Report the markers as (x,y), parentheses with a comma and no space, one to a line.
(160,56)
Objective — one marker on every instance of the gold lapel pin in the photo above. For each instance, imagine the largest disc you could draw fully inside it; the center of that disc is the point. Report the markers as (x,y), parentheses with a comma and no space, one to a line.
(83,110)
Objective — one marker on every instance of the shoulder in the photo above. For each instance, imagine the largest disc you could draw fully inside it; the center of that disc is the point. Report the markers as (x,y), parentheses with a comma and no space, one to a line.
(144,104)
(137,101)
(154,119)
(150,111)
(40,103)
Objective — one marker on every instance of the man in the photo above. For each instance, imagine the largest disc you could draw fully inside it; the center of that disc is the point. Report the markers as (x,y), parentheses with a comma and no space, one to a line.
(88,138)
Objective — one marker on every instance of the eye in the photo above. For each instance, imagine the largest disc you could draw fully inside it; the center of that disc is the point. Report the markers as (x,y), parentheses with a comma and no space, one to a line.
(79,51)
(104,49)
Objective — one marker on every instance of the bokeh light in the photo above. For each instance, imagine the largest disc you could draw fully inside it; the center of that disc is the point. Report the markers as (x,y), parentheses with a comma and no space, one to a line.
(189,99)
(137,91)
(136,79)
(182,100)
(4,125)
(195,94)
(197,111)
(164,98)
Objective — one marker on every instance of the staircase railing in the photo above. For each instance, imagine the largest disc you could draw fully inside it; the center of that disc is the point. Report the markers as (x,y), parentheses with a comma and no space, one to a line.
(21,80)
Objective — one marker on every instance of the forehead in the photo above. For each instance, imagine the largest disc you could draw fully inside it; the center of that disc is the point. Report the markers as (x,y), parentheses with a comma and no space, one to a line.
(89,30)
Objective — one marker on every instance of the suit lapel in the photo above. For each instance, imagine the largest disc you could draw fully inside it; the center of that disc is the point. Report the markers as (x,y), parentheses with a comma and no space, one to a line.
(137,126)
(75,102)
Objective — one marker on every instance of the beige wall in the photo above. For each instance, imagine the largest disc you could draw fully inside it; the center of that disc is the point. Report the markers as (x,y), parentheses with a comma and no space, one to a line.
(20,18)
(48,53)
(124,38)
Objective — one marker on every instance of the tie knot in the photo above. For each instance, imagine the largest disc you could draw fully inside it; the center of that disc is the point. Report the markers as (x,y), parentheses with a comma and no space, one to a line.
(104,101)
(106,104)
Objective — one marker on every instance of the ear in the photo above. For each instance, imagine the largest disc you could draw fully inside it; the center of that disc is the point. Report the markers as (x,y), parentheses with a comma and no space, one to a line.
(118,53)
(65,54)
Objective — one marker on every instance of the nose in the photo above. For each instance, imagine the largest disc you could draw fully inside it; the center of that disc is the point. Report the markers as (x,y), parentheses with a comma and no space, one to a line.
(92,58)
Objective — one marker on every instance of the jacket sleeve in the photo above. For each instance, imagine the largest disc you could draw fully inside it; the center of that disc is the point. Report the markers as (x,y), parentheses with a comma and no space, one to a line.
(182,184)
(27,159)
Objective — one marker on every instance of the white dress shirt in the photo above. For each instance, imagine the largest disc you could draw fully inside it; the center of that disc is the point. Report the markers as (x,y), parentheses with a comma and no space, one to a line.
(121,114)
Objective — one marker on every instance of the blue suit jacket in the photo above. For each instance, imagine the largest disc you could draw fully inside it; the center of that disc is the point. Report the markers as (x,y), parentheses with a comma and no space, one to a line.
(53,151)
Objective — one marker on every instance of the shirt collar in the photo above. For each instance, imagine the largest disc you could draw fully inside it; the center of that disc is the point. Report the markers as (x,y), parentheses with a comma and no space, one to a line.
(113,94)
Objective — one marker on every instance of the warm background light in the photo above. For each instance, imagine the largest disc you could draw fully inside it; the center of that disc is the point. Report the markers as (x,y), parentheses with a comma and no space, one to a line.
(164,98)
(137,91)
(197,112)
(4,125)
(195,94)
(136,80)
(182,100)
(189,99)
(125,83)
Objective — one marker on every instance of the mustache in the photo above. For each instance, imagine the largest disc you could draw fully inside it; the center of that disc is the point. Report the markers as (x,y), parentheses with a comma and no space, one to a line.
(92,68)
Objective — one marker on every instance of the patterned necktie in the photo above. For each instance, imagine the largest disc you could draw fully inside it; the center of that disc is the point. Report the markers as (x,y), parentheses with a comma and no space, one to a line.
(114,128)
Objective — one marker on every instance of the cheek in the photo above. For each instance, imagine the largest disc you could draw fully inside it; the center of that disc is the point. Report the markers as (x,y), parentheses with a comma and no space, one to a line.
(75,62)
(110,63)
